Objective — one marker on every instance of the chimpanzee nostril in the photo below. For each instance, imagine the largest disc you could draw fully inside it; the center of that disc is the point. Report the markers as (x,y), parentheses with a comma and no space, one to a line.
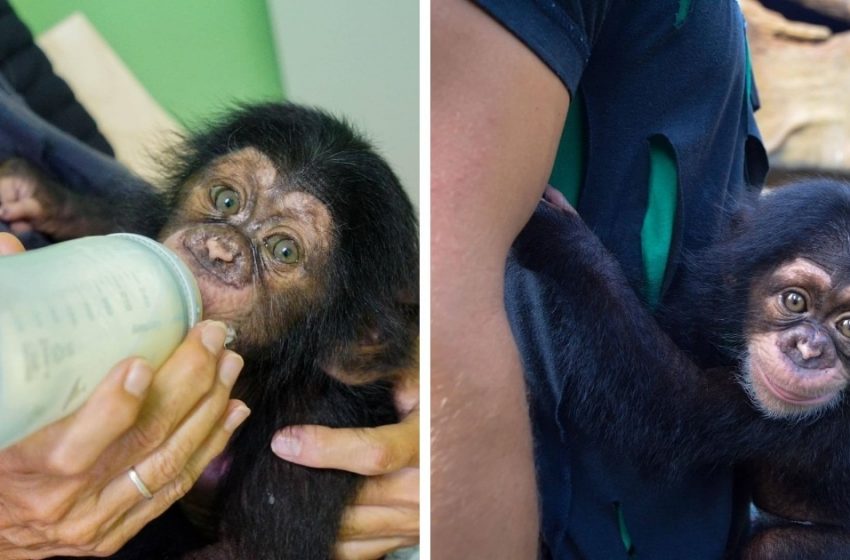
(217,250)
(810,348)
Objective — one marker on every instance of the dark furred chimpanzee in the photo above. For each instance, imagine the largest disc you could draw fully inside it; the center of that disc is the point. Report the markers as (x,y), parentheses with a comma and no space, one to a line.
(303,241)
(746,364)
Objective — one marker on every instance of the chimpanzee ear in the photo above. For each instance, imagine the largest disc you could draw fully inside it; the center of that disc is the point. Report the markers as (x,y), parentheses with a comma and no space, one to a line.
(380,352)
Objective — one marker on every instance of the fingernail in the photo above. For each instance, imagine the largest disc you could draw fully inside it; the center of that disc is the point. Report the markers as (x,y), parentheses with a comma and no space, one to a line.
(138,379)
(213,336)
(286,444)
(236,417)
(231,366)
(231,336)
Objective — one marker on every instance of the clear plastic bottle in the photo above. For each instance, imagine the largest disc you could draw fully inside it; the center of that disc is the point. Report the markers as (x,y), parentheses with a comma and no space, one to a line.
(71,311)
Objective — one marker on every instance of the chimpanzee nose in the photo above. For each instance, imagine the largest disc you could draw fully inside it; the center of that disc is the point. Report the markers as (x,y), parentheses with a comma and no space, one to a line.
(217,250)
(809,348)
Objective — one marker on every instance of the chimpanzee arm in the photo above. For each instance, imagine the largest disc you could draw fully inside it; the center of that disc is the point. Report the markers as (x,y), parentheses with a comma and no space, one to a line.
(596,352)
(86,191)
(28,195)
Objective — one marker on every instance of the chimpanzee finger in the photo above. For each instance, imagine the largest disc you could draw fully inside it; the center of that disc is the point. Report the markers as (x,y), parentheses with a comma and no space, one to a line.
(20,227)
(119,528)
(400,488)
(9,244)
(179,384)
(376,522)
(9,188)
(370,549)
(406,394)
(367,451)
(25,209)
(73,444)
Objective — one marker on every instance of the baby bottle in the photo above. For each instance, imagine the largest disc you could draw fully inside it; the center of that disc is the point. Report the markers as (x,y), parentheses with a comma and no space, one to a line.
(71,311)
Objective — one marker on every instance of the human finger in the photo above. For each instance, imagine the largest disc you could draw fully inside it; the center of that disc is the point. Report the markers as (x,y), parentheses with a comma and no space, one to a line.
(179,384)
(370,549)
(366,451)
(73,444)
(124,526)
(363,522)
(400,488)
(170,460)
(9,244)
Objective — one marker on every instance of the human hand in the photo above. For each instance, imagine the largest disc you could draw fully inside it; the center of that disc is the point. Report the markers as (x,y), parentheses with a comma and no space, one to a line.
(9,244)
(65,490)
(385,514)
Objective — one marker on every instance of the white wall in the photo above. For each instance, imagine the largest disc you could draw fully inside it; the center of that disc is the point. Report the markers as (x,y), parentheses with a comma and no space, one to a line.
(358,59)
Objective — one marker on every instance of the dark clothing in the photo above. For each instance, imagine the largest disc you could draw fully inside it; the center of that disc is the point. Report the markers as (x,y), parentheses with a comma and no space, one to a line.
(29,73)
(668,77)
(80,167)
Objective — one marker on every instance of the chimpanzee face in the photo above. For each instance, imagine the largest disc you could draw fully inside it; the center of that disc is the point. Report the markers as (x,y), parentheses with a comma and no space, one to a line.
(798,339)
(257,245)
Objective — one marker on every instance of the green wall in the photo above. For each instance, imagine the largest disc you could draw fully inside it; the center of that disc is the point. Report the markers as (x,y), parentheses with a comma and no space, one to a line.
(193,56)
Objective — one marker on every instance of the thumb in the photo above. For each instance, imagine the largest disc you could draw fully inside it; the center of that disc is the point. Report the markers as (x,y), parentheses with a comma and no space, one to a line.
(9,244)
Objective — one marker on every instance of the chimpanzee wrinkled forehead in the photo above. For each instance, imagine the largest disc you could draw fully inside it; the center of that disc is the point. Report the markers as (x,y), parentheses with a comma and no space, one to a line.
(313,151)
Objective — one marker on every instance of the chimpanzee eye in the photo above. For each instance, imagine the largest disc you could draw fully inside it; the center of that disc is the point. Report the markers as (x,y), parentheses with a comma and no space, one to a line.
(843,326)
(284,249)
(794,301)
(225,199)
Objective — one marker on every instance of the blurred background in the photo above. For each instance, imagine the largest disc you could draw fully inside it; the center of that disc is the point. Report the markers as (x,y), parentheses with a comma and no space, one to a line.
(800,52)
(146,68)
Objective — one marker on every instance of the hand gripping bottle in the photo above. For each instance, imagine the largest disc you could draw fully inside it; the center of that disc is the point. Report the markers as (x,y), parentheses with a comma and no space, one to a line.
(71,311)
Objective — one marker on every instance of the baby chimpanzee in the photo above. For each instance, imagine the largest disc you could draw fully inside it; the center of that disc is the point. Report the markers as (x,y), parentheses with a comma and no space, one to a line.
(749,367)
(303,241)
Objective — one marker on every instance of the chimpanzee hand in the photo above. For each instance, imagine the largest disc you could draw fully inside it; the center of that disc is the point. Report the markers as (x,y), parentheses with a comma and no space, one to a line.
(385,514)
(64,490)
(29,200)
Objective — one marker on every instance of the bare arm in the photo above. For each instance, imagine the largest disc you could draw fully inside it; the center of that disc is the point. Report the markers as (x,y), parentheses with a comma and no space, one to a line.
(497,114)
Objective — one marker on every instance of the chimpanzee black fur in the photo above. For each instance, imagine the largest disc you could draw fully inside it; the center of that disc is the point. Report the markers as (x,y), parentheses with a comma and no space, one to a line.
(269,508)
(664,390)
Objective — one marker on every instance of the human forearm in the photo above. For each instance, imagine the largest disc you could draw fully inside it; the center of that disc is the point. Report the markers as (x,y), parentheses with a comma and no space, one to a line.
(497,114)
(484,496)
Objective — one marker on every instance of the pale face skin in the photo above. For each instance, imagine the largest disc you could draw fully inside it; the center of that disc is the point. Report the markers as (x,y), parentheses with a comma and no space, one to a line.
(244,231)
(798,341)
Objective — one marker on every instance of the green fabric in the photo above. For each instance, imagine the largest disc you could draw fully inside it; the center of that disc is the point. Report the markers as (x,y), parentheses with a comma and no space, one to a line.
(748,72)
(624,531)
(682,14)
(568,170)
(657,230)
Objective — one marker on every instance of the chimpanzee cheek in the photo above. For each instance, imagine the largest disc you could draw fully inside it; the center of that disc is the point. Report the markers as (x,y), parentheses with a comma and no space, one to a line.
(222,302)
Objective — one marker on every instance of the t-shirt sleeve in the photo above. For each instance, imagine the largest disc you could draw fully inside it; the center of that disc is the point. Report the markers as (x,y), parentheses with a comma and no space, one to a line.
(561,33)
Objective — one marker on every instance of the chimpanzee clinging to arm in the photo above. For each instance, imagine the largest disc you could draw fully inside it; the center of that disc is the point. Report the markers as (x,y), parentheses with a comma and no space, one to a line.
(303,241)
(746,364)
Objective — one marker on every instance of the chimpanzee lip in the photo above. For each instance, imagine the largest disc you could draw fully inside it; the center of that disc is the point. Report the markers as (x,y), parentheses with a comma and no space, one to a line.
(790,396)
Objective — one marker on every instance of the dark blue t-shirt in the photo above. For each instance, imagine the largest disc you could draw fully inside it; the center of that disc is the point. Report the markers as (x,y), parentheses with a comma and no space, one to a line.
(662,85)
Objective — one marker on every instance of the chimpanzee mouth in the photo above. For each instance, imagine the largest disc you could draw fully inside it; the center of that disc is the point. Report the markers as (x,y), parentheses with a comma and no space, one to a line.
(793,397)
